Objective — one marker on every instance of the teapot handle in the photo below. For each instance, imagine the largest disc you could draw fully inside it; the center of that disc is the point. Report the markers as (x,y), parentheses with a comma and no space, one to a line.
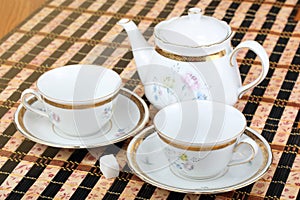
(260,51)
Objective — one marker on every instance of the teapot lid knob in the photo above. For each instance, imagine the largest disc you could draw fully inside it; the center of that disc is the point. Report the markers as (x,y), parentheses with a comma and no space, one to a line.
(195,13)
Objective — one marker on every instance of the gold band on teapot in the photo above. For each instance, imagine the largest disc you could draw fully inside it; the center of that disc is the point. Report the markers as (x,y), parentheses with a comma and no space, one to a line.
(177,57)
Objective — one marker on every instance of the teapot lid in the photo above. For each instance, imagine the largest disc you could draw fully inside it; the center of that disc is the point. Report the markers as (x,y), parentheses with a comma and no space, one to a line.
(192,30)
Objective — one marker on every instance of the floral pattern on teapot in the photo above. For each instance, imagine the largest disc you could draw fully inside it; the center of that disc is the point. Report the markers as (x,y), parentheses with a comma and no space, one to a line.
(173,85)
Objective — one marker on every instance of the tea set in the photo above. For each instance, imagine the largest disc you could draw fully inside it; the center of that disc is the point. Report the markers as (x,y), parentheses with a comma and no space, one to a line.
(198,143)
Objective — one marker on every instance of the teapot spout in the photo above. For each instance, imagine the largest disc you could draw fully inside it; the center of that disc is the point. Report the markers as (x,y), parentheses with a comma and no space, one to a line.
(142,51)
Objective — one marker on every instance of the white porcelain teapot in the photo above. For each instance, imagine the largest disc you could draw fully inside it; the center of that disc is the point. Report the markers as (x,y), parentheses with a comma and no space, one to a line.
(192,59)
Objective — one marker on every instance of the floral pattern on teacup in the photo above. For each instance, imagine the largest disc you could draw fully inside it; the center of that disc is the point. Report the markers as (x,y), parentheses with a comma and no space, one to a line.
(54,117)
(183,163)
(107,112)
(180,160)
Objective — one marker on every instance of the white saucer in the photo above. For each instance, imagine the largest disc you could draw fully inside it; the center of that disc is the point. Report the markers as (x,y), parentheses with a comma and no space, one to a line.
(146,159)
(130,116)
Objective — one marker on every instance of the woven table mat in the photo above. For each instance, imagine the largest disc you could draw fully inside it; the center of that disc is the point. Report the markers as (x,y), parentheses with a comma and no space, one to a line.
(65,32)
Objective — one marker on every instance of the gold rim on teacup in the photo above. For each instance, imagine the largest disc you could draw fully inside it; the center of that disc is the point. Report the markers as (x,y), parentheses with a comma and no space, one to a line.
(79,106)
(192,147)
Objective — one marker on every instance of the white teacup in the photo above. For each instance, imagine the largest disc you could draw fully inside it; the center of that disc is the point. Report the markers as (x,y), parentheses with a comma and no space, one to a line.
(202,138)
(77,99)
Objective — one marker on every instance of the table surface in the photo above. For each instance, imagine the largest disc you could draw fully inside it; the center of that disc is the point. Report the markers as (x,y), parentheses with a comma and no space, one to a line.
(16,11)
(67,32)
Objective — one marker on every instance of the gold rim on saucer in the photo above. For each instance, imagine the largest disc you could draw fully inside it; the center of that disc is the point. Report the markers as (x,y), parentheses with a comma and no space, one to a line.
(196,188)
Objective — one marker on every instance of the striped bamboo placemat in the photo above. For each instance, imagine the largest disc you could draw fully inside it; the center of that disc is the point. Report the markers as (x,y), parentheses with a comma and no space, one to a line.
(66,32)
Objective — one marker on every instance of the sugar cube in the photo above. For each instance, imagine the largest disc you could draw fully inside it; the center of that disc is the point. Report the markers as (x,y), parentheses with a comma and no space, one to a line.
(109,166)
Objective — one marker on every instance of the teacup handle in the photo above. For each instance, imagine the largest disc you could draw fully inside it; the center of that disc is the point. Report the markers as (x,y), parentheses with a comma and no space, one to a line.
(254,149)
(25,103)
(260,51)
